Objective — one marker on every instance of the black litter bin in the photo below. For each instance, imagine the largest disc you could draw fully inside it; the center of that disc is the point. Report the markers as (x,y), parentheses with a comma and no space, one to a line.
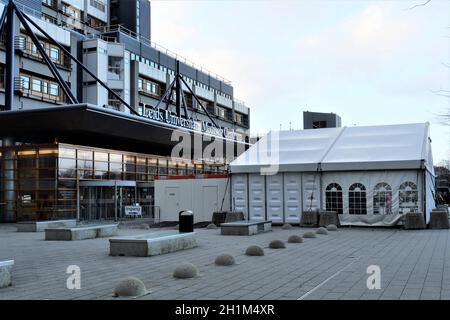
(186,221)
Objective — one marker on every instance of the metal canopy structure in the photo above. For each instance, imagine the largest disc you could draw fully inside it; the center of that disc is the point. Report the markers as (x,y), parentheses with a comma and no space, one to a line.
(86,124)
(7,21)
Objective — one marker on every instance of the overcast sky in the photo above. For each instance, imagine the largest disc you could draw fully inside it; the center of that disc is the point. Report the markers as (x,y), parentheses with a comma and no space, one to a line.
(371,62)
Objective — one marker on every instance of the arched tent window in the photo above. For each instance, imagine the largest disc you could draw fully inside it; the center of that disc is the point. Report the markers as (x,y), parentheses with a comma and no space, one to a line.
(333,198)
(357,199)
(408,198)
(382,199)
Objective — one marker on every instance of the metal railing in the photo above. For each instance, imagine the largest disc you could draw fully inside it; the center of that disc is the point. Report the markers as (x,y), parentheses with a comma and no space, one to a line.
(107,211)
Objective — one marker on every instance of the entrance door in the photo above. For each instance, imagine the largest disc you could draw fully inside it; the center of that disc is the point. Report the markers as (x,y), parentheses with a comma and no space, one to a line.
(105,200)
(97,203)
(172,196)
(210,201)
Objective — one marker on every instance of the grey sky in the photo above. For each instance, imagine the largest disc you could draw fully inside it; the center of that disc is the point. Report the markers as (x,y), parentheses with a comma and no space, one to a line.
(372,62)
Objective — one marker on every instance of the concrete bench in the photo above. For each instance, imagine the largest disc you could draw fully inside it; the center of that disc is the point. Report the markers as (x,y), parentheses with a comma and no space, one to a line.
(328,217)
(152,244)
(245,228)
(40,226)
(82,232)
(414,220)
(439,219)
(5,273)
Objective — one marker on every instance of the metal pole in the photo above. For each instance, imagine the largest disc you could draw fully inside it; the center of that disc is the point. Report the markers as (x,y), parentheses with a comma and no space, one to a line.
(199,102)
(68,93)
(80,64)
(10,36)
(3,19)
(115,200)
(78,198)
(178,89)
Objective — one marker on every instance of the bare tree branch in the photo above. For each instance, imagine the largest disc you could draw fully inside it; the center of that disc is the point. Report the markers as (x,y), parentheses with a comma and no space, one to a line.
(419,5)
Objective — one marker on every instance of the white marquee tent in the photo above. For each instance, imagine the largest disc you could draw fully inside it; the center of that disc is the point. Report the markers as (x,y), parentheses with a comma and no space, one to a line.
(370,175)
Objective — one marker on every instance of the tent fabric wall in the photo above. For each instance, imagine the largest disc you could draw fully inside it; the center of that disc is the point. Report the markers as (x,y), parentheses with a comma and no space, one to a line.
(275,198)
(239,193)
(388,215)
(292,197)
(310,160)
(430,194)
(256,197)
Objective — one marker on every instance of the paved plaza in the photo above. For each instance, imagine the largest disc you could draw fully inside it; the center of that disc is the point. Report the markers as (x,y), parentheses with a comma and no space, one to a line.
(414,265)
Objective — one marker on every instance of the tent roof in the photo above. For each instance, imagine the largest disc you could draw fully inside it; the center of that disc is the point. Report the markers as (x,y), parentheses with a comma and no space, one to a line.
(405,146)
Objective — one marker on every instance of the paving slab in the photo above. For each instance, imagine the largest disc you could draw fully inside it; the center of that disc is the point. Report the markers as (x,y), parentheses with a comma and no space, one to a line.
(414,264)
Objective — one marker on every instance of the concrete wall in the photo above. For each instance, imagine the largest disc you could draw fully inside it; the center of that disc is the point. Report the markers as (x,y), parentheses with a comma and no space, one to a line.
(332,120)
(202,196)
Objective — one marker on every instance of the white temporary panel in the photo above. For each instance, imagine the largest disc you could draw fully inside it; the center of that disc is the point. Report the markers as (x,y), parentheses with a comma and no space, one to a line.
(292,197)
(201,196)
(256,197)
(274,198)
(172,196)
(239,193)
(311,191)
(210,199)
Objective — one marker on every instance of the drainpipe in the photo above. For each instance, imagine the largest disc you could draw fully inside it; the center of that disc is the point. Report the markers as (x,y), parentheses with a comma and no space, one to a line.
(10,36)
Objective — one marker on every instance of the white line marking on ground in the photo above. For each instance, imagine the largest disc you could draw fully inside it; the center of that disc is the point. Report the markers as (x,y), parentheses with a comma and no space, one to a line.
(326,280)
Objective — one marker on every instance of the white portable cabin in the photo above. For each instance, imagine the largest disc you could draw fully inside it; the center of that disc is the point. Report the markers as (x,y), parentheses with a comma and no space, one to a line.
(371,175)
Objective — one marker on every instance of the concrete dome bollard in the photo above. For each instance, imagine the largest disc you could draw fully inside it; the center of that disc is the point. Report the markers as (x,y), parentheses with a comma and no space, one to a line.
(225,259)
(332,227)
(309,234)
(254,251)
(295,239)
(322,231)
(277,244)
(211,226)
(185,271)
(286,226)
(130,287)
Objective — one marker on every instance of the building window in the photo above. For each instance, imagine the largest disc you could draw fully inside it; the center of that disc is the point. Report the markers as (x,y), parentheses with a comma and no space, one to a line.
(113,101)
(34,49)
(357,199)
(98,4)
(319,124)
(408,198)
(149,87)
(2,76)
(115,68)
(382,199)
(138,20)
(45,87)
(50,3)
(54,54)
(333,198)
(36,85)
(25,82)
(95,23)
(70,11)
(54,89)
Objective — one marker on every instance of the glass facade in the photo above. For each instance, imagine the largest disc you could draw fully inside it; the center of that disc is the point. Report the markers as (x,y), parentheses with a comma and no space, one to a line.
(41,182)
